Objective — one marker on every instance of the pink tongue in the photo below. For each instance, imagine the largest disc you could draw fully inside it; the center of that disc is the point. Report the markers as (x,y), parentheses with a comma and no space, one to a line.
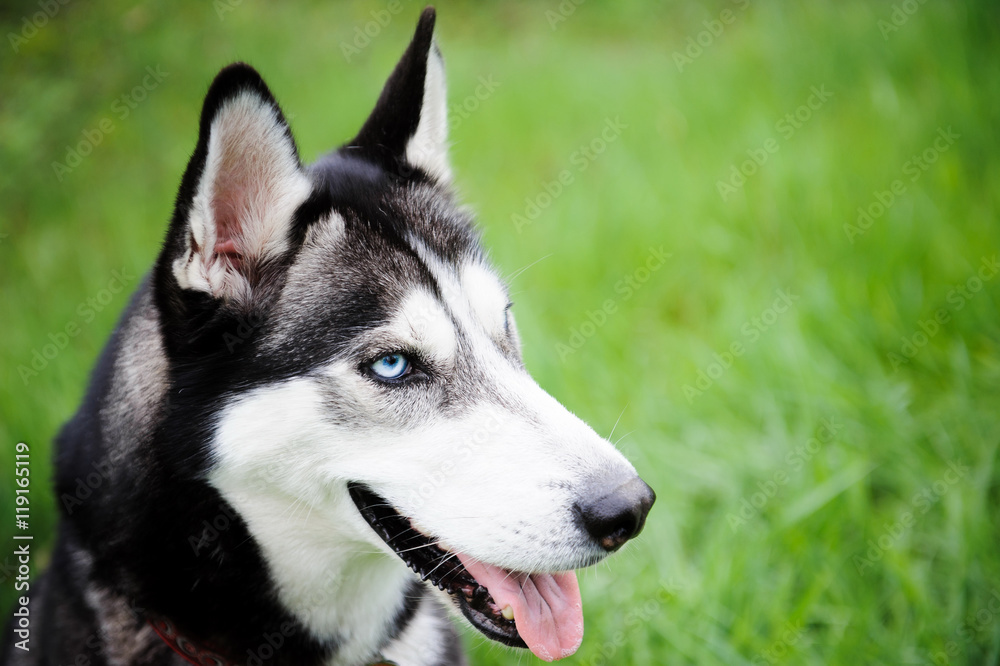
(548,611)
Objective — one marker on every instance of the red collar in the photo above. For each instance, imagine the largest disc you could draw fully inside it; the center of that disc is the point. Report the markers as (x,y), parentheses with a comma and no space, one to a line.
(195,654)
(191,652)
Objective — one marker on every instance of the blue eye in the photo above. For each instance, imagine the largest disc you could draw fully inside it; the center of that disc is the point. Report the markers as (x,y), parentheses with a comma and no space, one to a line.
(391,366)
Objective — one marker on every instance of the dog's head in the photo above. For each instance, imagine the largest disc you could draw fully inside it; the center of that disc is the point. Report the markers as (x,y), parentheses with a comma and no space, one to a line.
(367,365)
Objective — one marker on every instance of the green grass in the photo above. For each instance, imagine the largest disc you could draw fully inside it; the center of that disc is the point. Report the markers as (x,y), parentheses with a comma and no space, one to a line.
(699,586)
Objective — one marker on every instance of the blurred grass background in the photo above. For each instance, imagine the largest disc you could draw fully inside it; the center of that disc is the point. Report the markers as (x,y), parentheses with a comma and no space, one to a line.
(772,541)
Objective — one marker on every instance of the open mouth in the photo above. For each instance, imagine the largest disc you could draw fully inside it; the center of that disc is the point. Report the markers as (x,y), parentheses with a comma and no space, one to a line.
(541,612)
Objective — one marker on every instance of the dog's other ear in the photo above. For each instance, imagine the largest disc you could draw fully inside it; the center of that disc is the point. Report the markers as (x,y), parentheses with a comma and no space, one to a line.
(232,224)
(409,125)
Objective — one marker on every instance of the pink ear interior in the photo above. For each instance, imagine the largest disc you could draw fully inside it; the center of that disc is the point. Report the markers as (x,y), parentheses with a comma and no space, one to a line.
(252,173)
(231,201)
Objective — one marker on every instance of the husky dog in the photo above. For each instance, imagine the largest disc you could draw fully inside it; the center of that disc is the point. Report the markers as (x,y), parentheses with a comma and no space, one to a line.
(313,431)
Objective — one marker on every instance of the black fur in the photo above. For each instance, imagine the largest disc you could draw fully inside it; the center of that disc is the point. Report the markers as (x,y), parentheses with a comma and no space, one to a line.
(384,135)
(179,306)
(139,538)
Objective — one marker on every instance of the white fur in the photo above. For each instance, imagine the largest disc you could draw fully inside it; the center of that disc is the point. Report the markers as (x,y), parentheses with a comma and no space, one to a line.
(249,151)
(338,581)
(490,298)
(423,323)
(419,643)
(495,481)
(284,465)
(428,148)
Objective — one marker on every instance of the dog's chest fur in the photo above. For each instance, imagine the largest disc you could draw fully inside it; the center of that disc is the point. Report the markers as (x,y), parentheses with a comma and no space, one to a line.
(321,366)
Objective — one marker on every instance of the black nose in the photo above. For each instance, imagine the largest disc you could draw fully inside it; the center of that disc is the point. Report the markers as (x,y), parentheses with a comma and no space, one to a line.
(612,518)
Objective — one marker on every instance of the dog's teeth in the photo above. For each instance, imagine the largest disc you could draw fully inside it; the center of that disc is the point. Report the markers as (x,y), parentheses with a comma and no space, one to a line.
(508,612)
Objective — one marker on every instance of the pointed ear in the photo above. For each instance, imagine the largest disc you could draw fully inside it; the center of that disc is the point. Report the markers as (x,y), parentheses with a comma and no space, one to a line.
(234,214)
(409,125)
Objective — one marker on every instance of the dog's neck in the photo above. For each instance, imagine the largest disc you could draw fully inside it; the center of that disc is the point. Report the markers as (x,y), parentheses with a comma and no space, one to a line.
(340,587)
(198,655)
(337,587)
